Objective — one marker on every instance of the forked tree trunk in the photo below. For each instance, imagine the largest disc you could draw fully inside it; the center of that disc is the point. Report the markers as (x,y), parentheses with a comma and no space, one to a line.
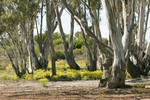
(50,40)
(70,58)
(34,59)
(139,64)
(91,57)
(17,72)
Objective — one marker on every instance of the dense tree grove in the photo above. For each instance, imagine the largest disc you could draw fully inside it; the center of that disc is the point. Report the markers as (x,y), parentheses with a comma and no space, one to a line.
(126,49)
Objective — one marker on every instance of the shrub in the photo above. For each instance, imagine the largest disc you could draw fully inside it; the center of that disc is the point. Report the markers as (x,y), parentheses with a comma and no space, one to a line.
(57,41)
(97,74)
(59,55)
(2,67)
(5,77)
(44,81)
(29,77)
(92,75)
(56,36)
(63,77)
(15,78)
(85,78)
(9,67)
(78,44)
(69,75)
(149,73)
(62,65)
(77,75)
(55,78)
(60,73)
(39,74)
(81,63)
(77,52)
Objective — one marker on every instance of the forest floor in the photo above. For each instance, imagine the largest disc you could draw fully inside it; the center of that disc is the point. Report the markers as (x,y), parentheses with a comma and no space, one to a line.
(73,90)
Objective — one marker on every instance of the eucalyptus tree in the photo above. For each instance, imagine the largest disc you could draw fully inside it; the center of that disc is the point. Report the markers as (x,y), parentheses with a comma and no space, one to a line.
(68,54)
(15,26)
(91,52)
(51,25)
(137,64)
(45,45)
(123,53)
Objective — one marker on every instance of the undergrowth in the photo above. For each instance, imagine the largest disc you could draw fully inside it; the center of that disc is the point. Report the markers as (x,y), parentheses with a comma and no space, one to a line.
(62,70)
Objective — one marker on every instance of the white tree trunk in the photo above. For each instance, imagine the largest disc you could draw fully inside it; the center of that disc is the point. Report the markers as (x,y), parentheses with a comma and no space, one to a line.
(30,69)
(70,59)
(147,49)
(117,78)
(125,38)
(141,25)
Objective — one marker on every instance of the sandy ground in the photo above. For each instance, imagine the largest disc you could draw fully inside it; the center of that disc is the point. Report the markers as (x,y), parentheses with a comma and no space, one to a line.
(72,90)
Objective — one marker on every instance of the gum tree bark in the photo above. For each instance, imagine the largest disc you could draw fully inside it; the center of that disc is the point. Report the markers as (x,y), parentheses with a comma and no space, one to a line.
(118,68)
(46,46)
(147,49)
(10,58)
(117,78)
(137,60)
(107,51)
(50,32)
(70,58)
(91,54)
(18,32)
(141,25)
(125,38)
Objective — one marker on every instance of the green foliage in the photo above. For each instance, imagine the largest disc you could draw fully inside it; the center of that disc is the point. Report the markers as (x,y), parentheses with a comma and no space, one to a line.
(78,35)
(38,39)
(92,75)
(78,43)
(77,52)
(57,42)
(44,81)
(94,4)
(85,78)
(64,77)
(59,55)
(77,75)
(14,78)
(55,78)
(56,36)
(105,41)
(2,68)
(40,74)
(29,77)
(142,76)
(63,73)
(149,73)
(5,77)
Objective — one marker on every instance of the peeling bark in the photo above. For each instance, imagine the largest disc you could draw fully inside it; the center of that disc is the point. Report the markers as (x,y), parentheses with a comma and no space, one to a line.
(117,78)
